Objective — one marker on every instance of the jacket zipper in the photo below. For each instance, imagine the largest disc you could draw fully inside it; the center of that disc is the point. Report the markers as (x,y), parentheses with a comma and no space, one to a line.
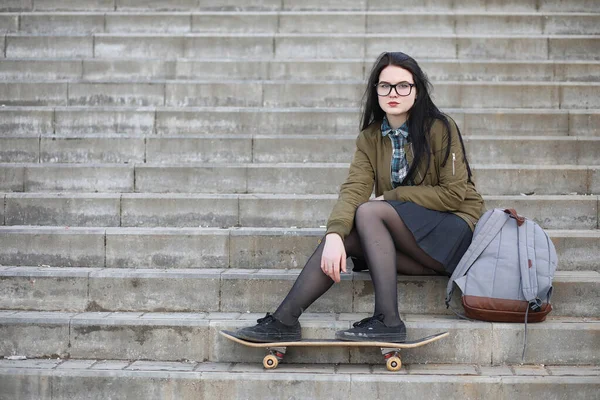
(453,161)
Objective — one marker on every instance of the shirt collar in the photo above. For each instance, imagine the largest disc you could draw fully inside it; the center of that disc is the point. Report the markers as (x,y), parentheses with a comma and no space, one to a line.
(386,129)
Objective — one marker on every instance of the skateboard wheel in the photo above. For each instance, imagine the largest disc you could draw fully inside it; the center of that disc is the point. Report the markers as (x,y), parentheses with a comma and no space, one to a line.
(270,361)
(394,363)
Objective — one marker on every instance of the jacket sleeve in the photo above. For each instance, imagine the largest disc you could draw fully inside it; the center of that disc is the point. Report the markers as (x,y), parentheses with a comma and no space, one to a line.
(451,189)
(354,191)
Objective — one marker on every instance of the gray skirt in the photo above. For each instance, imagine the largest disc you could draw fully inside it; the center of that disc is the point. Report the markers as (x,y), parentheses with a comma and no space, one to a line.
(442,235)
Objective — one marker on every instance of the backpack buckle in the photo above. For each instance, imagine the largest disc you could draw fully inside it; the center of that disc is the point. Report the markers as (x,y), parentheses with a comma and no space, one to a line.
(535,305)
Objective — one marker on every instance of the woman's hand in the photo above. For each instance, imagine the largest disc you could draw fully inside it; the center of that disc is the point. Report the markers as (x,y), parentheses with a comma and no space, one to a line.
(334,257)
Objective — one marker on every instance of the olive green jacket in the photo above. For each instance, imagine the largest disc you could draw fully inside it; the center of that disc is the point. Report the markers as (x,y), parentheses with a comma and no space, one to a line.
(443,189)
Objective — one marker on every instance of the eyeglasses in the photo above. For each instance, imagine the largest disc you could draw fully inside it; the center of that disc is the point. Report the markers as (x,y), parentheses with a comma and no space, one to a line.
(402,88)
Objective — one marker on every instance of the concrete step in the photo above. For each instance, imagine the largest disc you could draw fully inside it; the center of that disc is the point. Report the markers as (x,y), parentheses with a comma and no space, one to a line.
(449,22)
(293,70)
(25,121)
(270,5)
(282,94)
(229,210)
(247,290)
(194,336)
(272,178)
(111,148)
(290,45)
(168,248)
(59,379)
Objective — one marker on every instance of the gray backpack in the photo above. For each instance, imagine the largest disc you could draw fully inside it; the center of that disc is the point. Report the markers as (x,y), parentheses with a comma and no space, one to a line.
(506,273)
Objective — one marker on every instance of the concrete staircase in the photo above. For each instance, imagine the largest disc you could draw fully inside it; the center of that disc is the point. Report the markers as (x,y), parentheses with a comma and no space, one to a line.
(167,167)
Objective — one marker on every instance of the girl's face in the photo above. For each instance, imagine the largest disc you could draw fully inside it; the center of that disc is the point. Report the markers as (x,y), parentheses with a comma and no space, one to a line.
(401,98)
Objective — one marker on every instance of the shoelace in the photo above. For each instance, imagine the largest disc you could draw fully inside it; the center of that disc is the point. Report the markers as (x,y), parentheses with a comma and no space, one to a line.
(266,319)
(367,321)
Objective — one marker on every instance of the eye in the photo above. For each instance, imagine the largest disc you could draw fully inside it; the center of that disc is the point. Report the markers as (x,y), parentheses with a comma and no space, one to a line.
(404,85)
(384,85)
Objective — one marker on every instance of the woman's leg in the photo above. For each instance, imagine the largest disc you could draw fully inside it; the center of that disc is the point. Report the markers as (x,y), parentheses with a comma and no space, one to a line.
(312,283)
(389,248)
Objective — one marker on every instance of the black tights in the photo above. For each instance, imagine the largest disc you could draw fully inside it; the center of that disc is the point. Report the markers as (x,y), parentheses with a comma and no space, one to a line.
(380,238)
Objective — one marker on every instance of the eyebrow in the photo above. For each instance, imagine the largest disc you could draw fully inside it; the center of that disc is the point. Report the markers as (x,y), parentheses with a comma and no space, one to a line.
(396,83)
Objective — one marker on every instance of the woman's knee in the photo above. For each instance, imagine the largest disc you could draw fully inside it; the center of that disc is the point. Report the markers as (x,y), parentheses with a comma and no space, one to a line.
(367,211)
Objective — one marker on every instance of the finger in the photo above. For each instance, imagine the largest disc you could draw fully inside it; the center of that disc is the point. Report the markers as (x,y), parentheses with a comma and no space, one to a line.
(323,265)
(344,262)
(336,271)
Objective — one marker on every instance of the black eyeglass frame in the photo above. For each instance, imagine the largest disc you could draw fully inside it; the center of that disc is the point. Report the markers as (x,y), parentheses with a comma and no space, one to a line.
(395,88)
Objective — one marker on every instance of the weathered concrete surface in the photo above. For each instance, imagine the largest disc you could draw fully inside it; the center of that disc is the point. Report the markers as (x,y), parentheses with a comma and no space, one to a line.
(272,248)
(30,94)
(44,288)
(35,334)
(74,120)
(102,149)
(313,382)
(49,46)
(253,291)
(209,178)
(568,335)
(151,290)
(12,177)
(126,336)
(166,248)
(64,247)
(66,209)
(211,149)
(24,120)
(78,177)
(246,290)
(179,210)
(19,150)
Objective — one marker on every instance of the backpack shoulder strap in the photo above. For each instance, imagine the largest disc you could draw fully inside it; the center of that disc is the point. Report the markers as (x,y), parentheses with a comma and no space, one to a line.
(488,232)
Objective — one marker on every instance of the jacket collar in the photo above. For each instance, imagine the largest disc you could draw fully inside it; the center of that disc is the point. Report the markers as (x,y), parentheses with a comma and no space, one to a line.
(386,129)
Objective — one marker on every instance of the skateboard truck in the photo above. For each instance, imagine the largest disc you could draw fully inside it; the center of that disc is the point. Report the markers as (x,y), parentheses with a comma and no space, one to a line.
(392,357)
(271,360)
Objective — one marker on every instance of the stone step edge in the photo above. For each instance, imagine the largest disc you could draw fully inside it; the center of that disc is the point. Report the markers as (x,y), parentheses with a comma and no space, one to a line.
(45,366)
(449,110)
(230,273)
(366,61)
(276,35)
(276,136)
(231,380)
(328,82)
(194,195)
(234,231)
(73,334)
(262,165)
(313,320)
(327,12)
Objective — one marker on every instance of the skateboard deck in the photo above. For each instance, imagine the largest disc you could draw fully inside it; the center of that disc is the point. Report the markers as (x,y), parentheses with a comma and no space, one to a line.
(390,350)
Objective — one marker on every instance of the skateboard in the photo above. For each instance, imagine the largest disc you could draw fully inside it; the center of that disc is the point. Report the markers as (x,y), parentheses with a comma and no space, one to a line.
(390,351)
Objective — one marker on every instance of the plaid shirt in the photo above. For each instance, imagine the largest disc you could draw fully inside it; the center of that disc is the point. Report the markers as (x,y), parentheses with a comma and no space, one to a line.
(399,168)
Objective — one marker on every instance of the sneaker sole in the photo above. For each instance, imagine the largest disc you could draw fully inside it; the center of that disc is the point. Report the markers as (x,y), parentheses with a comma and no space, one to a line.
(263,339)
(371,338)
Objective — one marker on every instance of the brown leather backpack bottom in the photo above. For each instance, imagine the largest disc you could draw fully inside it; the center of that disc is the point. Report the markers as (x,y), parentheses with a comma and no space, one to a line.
(502,310)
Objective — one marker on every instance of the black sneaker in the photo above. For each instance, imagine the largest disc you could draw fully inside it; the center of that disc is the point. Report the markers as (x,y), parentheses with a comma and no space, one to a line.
(269,329)
(373,329)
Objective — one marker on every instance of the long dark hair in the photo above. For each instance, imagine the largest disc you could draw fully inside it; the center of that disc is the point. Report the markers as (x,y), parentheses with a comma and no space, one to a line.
(421,116)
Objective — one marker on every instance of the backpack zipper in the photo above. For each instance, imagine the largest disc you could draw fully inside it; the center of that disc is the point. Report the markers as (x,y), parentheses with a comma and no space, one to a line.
(453,161)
